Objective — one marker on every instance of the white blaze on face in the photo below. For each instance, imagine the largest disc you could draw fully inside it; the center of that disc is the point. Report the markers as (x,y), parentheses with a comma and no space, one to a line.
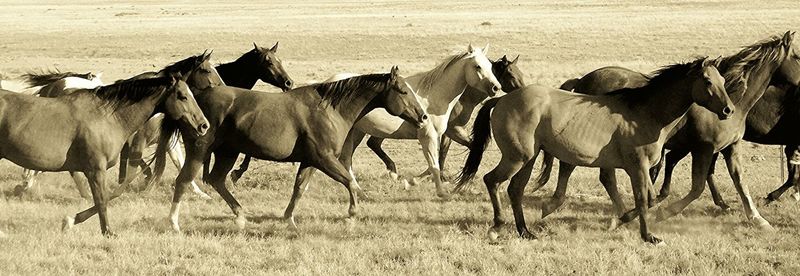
(486,67)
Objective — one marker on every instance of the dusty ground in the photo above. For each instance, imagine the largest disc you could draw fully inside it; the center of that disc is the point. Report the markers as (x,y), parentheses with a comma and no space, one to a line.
(400,231)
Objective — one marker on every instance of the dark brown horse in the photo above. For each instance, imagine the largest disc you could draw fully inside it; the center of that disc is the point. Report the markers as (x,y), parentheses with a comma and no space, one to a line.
(257,64)
(509,76)
(84,131)
(704,135)
(625,129)
(307,125)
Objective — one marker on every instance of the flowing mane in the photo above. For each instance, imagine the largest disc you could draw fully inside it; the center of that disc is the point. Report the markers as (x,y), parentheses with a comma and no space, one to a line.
(434,74)
(184,66)
(132,90)
(347,89)
(659,78)
(45,78)
(737,67)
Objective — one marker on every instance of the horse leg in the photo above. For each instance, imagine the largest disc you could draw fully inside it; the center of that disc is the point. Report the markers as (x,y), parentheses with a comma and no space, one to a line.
(640,181)
(701,162)
(82,183)
(516,189)
(608,177)
(712,186)
(189,171)
(223,164)
(374,144)
(124,156)
(176,155)
(96,184)
(30,180)
(444,147)
(560,195)
(429,140)
(671,159)
(237,174)
(304,173)
(504,170)
(330,165)
(352,141)
(793,176)
(731,155)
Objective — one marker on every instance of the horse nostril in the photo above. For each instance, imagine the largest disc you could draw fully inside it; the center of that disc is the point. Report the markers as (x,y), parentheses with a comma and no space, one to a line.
(203,126)
(289,84)
(495,88)
(727,111)
(424,117)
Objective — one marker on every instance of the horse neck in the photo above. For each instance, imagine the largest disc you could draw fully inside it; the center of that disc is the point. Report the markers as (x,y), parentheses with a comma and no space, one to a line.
(447,88)
(132,116)
(668,103)
(469,100)
(234,74)
(757,83)
(354,110)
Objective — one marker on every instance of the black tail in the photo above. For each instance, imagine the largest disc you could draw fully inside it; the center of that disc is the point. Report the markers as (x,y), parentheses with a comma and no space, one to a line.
(569,84)
(481,134)
(45,78)
(547,168)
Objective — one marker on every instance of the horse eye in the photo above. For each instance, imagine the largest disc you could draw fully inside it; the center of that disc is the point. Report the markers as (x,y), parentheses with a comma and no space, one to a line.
(478,67)
(182,97)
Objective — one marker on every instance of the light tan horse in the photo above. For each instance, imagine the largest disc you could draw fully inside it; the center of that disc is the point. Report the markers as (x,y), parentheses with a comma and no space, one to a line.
(624,130)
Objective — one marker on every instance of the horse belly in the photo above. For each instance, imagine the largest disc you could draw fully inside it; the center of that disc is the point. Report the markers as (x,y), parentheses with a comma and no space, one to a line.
(380,123)
(582,141)
(38,143)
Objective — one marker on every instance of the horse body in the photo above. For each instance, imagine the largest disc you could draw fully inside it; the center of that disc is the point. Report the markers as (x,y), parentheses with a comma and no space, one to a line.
(307,125)
(438,91)
(624,130)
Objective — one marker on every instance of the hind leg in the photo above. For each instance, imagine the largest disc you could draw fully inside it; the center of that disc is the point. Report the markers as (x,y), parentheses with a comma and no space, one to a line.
(608,177)
(701,162)
(712,185)
(223,164)
(374,144)
(190,170)
(444,147)
(329,164)
(429,140)
(237,174)
(177,157)
(516,189)
(304,173)
(30,180)
(671,160)
(352,141)
(734,168)
(83,185)
(793,176)
(564,172)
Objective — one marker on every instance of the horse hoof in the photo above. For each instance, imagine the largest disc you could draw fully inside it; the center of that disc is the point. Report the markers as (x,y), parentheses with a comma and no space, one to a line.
(443,195)
(240,221)
(493,235)
(796,196)
(203,195)
(292,225)
(19,190)
(548,209)
(654,241)
(527,235)
(67,223)
(406,185)
(175,227)
(110,234)
(394,175)
(413,181)
(614,224)
(763,224)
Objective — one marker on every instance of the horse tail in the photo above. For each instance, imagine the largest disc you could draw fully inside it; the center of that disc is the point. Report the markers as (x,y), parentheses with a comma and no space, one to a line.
(569,84)
(481,134)
(547,168)
(168,138)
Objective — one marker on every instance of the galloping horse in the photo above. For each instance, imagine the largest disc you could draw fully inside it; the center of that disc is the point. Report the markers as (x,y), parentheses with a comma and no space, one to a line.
(257,64)
(510,78)
(307,125)
(703,135)
(624,130)
(84,131)
(53,84)
(439,90)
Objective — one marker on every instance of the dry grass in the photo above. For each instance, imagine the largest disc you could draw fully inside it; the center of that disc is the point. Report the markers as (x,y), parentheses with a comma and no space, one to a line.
(399,232)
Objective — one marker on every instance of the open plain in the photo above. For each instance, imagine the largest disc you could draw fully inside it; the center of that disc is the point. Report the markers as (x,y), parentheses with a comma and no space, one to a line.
(398,231)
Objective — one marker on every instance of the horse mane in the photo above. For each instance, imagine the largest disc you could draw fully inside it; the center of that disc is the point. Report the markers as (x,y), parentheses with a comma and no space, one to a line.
(664,76)
(347,89)
(48,77)
(430,77)
(132,90)
(183,66)
(737,67)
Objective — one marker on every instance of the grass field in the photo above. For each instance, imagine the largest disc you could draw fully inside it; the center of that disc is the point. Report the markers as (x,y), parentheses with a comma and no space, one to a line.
(399,232)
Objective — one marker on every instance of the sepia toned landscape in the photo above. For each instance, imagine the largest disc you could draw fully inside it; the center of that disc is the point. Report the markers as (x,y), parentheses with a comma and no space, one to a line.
(398,231)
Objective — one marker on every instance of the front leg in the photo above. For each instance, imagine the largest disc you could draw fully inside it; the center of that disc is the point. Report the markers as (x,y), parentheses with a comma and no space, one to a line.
(304,173)
(237,174)
(429,139)
(640,183)
(731,154)
(96,179)
(559,196)
(177,157)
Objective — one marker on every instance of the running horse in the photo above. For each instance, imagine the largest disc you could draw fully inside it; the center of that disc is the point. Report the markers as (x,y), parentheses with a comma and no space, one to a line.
(510,78)
(749,73)
(306,125)
(625,129)
(257,64)
(84,131)
(439,90)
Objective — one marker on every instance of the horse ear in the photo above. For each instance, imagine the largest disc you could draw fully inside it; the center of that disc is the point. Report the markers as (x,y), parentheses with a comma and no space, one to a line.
(486,49)
(470,49)
(274,48)
(394,71)
(255,46)
(504,58)
(787,39)
(515,60)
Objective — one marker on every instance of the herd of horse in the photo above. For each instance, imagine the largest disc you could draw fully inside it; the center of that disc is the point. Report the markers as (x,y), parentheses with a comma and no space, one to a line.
(610,118)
